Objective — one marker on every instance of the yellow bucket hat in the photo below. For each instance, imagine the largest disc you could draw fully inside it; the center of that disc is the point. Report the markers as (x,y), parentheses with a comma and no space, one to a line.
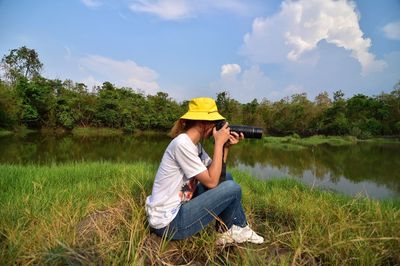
(202,109)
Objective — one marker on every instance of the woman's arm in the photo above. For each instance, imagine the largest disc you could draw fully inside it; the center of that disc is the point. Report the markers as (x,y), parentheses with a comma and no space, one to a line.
(234,138)
(210,177)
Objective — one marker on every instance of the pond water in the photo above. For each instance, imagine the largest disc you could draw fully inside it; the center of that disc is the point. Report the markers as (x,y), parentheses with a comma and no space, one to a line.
(370,169)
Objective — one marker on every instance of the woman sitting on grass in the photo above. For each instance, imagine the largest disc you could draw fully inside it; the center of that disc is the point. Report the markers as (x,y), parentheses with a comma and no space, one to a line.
(186,194)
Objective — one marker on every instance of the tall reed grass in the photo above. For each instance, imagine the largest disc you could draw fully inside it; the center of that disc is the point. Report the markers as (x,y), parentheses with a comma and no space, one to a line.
(92,213)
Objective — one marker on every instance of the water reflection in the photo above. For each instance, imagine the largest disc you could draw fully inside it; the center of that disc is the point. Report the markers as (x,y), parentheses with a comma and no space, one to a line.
(350,169)
(45,149)
(372,169)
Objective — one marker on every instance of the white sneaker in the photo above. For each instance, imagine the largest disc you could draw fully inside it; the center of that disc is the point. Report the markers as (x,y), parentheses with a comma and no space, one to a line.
(252,236)
(239,235)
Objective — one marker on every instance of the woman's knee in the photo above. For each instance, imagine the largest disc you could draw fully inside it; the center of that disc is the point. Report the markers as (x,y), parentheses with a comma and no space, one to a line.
(231,187)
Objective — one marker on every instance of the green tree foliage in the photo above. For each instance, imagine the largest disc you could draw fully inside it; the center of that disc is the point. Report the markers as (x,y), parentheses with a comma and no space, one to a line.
(108,109)
(124,108)
(391,101)
(366,115)
(161,111)
(21,62)
(27,98)
(10,106)
(75,105)
(41,102)
(265,114)
(250,114)
(322,103)
(280,111)
(335,121)
(229,108)
(361,116)
(38,101)
(302,113)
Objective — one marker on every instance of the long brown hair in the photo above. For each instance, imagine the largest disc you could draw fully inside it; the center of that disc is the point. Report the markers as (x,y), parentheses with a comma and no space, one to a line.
(182,125)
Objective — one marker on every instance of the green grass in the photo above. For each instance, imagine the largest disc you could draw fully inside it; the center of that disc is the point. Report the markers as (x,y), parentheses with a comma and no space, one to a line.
(96,131)
(93,213)
(330,140)
(383,140)
(19,131)
(297,143)
(149,133)
(4,132)
(285,143)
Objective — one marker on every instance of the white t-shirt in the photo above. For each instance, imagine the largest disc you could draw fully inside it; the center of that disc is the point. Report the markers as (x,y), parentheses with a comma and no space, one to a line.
(174,182)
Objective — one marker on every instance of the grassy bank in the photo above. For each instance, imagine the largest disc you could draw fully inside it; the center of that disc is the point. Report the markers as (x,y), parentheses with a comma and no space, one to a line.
(18,131)
(105,132)
(287,142)
(82,132)
(4,132)
(295,142)
(82,213)
(94,131)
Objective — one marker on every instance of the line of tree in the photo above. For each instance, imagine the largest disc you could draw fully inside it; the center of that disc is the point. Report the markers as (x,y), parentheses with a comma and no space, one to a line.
(28,99)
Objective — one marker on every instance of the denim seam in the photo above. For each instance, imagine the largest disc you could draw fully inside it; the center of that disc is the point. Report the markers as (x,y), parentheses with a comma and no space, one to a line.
(185,228)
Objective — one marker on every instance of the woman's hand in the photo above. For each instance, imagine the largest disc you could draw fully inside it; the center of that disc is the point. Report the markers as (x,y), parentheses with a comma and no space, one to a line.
(222,136)
(234,138)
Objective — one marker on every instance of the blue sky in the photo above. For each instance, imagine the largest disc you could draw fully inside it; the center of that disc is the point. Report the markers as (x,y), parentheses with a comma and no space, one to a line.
(190,48)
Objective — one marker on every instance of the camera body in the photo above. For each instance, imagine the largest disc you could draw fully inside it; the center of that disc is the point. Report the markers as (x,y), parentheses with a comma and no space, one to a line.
(249,132)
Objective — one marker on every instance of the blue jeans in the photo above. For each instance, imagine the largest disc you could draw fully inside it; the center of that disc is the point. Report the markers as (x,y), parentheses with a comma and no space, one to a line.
(223,201)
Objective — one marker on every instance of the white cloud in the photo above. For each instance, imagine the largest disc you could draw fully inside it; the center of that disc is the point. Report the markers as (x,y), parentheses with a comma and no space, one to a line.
(182,9)
(230,69)
(168,10)
(121,73)
(300,26)
(392,30)
(90,82)
(292,89)
(243,86)
(92,3)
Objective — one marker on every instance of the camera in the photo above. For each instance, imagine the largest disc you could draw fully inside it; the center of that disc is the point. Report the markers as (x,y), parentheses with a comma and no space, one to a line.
(249,132)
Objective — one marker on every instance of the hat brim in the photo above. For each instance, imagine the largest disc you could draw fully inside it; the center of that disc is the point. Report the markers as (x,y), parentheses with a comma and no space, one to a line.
(211,116)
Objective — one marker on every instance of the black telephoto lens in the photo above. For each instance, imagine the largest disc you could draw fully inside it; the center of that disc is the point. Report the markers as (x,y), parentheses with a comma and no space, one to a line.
(249,132)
